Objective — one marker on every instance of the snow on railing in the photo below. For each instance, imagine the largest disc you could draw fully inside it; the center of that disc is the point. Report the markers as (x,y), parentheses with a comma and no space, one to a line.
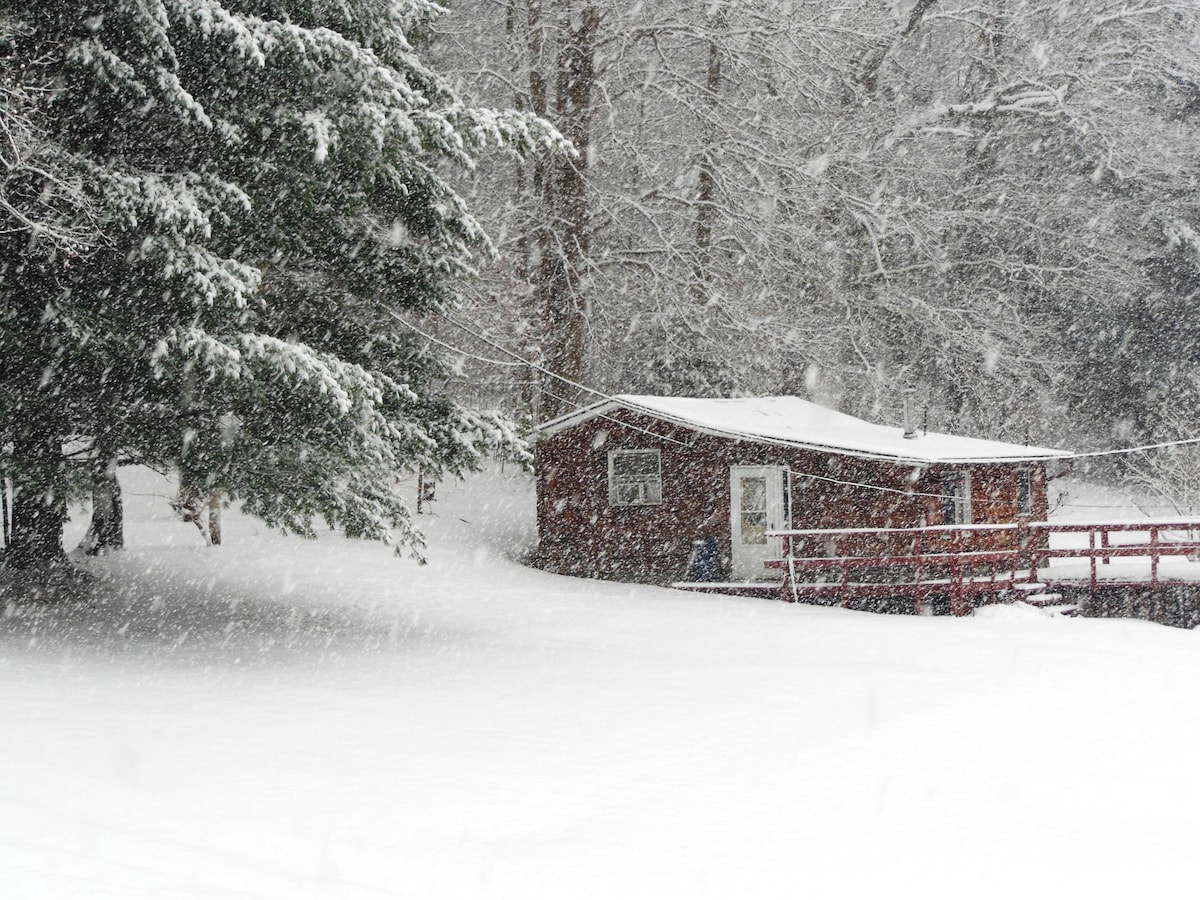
(1100,546)
(965,562)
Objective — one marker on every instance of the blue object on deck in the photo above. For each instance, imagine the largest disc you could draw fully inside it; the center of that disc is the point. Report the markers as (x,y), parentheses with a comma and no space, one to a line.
(704,564)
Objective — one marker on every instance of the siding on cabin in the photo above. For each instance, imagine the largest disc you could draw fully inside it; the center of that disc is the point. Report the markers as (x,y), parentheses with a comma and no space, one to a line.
(581,534)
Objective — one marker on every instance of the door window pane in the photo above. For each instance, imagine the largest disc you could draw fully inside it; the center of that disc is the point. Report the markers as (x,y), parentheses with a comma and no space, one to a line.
(753,507)
(754,495)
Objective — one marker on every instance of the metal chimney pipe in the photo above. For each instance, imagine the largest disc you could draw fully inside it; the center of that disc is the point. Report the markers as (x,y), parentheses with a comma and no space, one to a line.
(910,430)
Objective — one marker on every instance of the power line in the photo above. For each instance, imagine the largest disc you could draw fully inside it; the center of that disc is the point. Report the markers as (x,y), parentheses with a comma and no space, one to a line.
(1143,448)
(530,363)
(429,337)
(778,442)
(1089,455)
(522,361)
(630,425)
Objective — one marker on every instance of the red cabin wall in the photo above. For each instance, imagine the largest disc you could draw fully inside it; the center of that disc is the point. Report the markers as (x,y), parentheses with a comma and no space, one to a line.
(581,534)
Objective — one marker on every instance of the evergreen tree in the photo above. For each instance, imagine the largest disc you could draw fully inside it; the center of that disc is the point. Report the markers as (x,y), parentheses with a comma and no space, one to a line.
(269,180)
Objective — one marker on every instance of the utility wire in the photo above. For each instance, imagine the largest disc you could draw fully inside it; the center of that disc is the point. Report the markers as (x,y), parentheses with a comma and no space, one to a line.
(491,343)
(647,431)
(1142,449)
(658,414)
(522,361)
(451,347)
(662,437)
(1089,455)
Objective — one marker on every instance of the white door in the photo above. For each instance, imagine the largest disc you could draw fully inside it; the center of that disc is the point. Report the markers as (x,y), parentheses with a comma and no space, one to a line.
(756,507)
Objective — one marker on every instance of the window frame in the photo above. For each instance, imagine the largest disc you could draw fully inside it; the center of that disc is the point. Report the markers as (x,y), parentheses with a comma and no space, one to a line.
(956,497)
(1024,476)
(650,490)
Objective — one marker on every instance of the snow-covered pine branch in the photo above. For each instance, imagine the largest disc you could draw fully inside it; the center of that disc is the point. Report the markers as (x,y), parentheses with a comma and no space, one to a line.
(268,181)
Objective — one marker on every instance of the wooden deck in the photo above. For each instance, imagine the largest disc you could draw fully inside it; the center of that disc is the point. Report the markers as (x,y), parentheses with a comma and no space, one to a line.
(966,566)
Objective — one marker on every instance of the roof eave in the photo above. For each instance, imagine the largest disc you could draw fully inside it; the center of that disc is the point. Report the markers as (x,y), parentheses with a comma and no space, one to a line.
(603,407)
(576,417)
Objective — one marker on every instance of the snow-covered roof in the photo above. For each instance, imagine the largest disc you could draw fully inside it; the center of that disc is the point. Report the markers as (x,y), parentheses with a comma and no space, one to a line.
(791,421)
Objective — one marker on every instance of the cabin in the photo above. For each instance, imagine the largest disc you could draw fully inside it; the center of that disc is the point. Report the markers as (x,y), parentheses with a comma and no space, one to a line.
(633,488)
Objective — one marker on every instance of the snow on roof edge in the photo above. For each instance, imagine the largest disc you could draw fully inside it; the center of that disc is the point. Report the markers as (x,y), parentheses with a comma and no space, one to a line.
(873,441)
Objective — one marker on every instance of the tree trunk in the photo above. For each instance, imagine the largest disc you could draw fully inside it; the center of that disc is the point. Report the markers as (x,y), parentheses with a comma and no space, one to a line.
(107,529)
(565,247)
(5,511)
(39,498)
(214,518)
(871,65)
(706,210)
(202,507)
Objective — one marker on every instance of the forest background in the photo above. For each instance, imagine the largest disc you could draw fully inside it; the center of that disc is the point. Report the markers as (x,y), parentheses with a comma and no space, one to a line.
(984,210)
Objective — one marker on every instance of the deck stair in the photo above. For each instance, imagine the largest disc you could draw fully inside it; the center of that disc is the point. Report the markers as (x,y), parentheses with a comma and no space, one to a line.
(1036,593)
(1043,599)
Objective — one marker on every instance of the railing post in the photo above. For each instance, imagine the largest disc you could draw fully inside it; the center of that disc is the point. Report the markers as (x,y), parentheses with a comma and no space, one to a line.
(1154,557)
(1092,557)
(787,589)
(918,550)
(956,586)
(1034,551)
(1104,543)
(956,581)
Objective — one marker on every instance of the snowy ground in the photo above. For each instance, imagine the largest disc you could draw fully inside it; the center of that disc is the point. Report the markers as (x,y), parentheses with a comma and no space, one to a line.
(282,719)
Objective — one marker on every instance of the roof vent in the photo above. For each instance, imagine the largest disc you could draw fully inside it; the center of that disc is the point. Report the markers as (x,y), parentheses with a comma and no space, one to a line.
(910,430)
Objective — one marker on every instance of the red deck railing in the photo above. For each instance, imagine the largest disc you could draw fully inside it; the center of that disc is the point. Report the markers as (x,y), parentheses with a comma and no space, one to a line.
(962,562)
(1101,548)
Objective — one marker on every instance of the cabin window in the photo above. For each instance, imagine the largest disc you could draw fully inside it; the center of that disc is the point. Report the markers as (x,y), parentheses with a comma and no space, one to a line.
(634,478)
(956,498)
(1024,492)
